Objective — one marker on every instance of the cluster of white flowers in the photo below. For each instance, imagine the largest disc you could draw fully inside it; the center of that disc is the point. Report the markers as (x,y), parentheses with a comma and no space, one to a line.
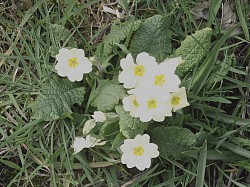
(154,88)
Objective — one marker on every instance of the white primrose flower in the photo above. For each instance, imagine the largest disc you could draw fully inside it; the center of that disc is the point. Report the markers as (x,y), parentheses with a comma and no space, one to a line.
(178,99)
(99,116)
(164,78)
(138,152)
(81,143)
(133,72)
(130,104)
(151,105)
(88,126)
(73,64)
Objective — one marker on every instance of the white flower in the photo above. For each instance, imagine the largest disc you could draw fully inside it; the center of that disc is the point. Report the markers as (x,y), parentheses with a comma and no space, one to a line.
(81,143)
(88,126)
(151,105)
(163,78)
(99,116)
(178,99)
(138,152)
(133,72)
(130,104)
(73,64)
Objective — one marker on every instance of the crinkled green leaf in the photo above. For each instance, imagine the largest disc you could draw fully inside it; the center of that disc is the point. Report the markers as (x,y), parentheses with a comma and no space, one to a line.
(56,98)
(172,141)
(130,126)
(153,37)
(220,71)
(109,130)
(107,95)
(59,35)
(118,33)
(193,49)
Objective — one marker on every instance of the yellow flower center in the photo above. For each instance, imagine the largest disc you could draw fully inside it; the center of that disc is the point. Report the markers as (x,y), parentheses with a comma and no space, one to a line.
(139,70)
(175,100)
(160,80)
(73,62)
(152,103)
(135,103)
(138,151)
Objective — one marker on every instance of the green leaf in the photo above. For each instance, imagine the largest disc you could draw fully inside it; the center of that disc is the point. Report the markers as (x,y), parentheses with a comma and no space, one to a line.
(243,19)
(60,36)
(118,33)
(172,141)
(119,139)
(201,165)
(10,164)
(193,49)
(130,126)
(55,99)
(153,37)
(236,149)
(204,71)
(210,99)
(109,130)
(107,95)
(220,71)
(215,155)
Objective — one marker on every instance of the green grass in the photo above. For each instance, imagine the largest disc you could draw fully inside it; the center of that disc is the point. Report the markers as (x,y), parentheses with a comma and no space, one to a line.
(38,153)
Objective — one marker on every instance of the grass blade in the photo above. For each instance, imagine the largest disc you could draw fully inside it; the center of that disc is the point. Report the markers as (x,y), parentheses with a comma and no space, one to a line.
(206,68)
(242,19)
(213,10)
(201,165)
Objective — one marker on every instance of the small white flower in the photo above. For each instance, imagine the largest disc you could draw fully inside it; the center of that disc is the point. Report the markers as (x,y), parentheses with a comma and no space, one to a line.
(133,72)
(151,105)
(138,152)
(90,141)
(88,126)
(178,99)
(73,64)
(130,104)
(163,78)
(99,116)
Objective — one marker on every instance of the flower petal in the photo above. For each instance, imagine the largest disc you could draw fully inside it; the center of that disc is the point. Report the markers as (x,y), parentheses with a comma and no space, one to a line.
(127,63)
(79,144)
(88,126)
(151,150)
(128,78)
(99,116)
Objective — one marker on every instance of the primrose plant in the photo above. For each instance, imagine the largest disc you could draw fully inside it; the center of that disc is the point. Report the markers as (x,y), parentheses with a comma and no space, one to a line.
(154,93)
(127,104)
